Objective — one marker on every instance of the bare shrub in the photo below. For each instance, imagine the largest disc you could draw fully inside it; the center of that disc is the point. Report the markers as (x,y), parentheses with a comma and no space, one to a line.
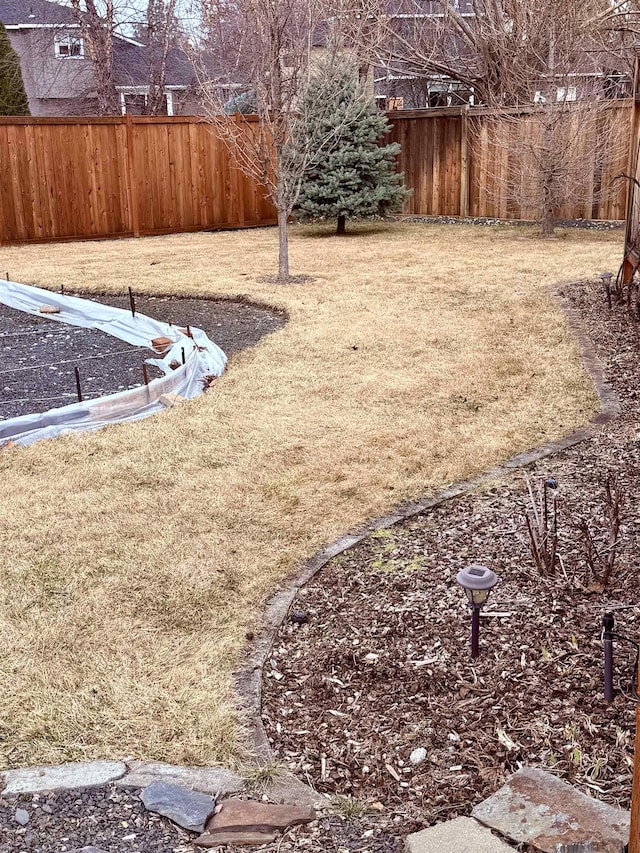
(600,546)
(542,525)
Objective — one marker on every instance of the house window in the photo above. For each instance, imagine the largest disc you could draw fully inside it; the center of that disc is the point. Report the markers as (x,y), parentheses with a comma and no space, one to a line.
(569,93)
(136,101)
(69,46)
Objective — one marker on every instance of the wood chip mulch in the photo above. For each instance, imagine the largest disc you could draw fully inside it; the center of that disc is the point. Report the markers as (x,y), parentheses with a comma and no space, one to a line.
(382,666)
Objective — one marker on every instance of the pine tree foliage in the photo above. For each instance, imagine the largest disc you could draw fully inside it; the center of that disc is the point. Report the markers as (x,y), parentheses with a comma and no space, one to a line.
(245,103)
(357,179)
(13,97)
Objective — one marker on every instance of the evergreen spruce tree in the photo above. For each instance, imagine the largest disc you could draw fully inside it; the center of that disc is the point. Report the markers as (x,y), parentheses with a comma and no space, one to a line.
(13,97)
(357,178)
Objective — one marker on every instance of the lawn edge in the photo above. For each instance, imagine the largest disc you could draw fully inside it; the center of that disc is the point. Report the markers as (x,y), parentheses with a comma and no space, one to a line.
(248,679)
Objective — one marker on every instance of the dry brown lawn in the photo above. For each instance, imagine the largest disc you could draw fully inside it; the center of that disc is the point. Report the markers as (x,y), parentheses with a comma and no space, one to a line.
(135,559)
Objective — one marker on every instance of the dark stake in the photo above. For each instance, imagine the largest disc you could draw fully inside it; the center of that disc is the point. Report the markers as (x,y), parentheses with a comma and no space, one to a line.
(62,289)
(607,642)
(132,303)
(7,274)
(606,281)
(189,332)
(78,386)
(184,358)
(145,374)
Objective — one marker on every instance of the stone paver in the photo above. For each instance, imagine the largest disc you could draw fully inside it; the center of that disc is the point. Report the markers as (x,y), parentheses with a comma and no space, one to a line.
(537,808)
(209,780)
(81,774)
(249,814)
(461,835)
(189,809)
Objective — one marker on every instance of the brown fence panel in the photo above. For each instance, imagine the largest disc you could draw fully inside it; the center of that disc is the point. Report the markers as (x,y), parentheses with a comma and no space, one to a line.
(61,179)
(474,162)
(66,178)
(431,159)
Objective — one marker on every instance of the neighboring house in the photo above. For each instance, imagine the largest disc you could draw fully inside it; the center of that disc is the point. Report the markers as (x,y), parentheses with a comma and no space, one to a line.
(58,73)
(396,90)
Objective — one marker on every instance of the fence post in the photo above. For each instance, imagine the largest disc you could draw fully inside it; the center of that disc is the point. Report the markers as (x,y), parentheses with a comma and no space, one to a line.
(237,175)
(464,162)
(131,177)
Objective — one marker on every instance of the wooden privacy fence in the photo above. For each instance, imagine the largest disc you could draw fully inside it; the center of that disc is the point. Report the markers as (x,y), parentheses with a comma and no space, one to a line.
(467,162)
(65,178)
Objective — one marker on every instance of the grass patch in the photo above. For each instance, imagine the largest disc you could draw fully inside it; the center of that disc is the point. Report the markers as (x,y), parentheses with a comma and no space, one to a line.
(135,559)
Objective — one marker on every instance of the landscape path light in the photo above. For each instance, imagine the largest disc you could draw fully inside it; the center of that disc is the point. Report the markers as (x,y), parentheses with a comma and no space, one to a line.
(477,582)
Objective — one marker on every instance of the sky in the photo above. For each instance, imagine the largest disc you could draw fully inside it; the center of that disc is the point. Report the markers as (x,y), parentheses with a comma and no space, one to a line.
(135,10)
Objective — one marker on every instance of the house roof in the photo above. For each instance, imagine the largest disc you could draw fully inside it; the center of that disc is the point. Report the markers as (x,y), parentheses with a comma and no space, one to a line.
(131,65)
(34,12)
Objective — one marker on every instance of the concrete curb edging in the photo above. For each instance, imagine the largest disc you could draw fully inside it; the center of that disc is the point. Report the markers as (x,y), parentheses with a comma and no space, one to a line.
(125,773)
(249,677)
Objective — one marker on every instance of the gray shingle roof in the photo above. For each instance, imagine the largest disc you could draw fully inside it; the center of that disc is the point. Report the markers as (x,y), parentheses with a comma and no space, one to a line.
(13,12)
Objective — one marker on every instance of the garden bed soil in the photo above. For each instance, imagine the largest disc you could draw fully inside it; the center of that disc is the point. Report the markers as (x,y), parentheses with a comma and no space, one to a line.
(115,820)
(375,663)
(38,355)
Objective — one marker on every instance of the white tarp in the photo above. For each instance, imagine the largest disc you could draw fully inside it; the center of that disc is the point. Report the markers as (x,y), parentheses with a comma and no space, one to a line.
(202,358)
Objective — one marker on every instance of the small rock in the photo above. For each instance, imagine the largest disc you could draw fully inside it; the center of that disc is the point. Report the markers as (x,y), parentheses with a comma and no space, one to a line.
(188,809)
(22,817)
(299,617)
(161,344)
(170,400)
(239,839)
(246,815)
(418,755)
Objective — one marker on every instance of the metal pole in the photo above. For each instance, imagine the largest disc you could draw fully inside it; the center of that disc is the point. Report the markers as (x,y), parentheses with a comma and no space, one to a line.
(132,303)
(78,386)
(184,358)
(145,374)
(475,631)
(607,642)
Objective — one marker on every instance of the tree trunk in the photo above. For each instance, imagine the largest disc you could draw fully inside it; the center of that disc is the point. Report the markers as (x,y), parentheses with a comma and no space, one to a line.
(342,225)
(283,225)
(283,245)
(547,222)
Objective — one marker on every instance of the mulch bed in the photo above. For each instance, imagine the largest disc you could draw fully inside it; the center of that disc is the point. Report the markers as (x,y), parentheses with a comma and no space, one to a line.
(51,349)
(382,666)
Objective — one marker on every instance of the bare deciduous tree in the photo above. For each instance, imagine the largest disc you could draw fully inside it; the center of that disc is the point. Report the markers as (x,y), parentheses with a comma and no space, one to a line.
(161,32)
(267,47)
(555,155)
(503,49)
(98,27)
